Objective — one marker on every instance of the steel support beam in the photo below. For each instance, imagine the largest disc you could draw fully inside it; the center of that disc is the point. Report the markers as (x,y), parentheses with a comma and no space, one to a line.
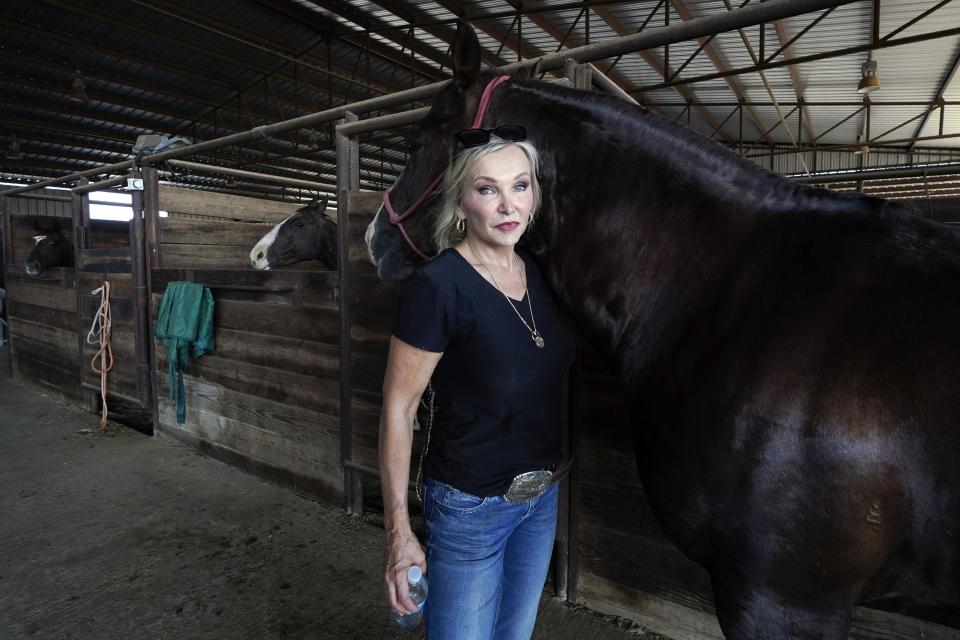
(754,14)
(660,67)
(837,53)
(951,73)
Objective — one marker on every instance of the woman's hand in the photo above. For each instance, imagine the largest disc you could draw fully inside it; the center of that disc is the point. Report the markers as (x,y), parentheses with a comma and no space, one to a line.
(403,551)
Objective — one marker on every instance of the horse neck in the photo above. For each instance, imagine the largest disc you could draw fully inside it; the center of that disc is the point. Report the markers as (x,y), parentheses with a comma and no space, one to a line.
(640,217)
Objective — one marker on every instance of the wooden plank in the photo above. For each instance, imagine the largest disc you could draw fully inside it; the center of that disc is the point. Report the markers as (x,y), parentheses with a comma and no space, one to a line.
(41,295)
(259,444)
(657,614)
(66,320)
(320,360)
(205,256)
(304,323)
(62,382)
(106,234)
(50,337)
(212,232)
(302,391)
(284,419)
(221,205)
(310,485)
(651,565)
(52,355)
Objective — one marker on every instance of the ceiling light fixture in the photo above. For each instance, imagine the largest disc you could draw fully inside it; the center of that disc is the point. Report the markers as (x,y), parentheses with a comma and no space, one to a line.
(13,151)
(78,91)
(869,81)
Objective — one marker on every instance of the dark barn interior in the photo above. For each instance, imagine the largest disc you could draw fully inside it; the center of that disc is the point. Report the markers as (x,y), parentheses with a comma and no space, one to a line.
(197,127)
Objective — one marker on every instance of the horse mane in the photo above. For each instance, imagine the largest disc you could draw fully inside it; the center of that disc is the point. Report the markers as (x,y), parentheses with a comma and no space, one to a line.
(720,170)
(721,174)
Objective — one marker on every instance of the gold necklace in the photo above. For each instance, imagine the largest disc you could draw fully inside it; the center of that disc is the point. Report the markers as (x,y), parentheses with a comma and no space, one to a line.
(534,334)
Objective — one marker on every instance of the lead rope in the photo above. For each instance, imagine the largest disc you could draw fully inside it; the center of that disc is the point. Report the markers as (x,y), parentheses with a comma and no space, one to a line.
(426,445)
(100,335)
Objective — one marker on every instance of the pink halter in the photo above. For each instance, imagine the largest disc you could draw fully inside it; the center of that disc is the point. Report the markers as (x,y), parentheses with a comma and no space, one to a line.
(397,219)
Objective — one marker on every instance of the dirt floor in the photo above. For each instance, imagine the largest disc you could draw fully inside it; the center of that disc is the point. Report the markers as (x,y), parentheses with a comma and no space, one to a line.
(113,534)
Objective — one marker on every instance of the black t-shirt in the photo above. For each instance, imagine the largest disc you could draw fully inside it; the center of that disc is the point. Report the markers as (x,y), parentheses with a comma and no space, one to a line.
(499,397)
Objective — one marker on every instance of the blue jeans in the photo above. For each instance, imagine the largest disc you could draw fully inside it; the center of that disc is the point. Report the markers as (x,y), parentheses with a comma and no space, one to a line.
(487,562)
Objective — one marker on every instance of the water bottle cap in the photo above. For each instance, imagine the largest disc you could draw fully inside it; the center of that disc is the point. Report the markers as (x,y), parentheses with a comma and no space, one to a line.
(414,574)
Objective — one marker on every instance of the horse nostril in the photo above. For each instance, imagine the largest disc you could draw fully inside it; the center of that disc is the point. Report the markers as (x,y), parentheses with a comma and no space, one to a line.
(260,256)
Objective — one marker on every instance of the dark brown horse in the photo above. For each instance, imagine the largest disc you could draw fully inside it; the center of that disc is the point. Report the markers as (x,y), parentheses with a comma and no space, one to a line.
(52,248)
(307,234)
(792,356)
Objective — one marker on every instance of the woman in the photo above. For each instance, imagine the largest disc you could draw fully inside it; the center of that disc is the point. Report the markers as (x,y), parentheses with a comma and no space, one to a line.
(480,321)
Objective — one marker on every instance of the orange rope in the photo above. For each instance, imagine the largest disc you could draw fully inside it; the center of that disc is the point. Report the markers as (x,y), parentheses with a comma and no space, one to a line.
(100,333)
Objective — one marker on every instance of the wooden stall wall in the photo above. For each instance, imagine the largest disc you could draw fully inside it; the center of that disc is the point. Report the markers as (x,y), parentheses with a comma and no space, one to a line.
(373,304)
(42,314)
(267,397)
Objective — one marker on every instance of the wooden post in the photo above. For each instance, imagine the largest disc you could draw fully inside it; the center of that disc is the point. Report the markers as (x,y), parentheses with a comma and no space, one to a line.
(138,275)
(348,179)
(565,550)
(151,213)
(6,370)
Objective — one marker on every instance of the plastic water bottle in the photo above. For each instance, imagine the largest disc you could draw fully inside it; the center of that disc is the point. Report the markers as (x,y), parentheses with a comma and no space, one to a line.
(418,593)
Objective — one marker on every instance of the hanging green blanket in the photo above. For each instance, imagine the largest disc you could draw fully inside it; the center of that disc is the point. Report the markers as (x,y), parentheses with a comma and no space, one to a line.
(185,327)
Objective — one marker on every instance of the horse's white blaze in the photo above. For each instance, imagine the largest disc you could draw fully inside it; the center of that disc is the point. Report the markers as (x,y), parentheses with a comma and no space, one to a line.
(258,255)
(38,239)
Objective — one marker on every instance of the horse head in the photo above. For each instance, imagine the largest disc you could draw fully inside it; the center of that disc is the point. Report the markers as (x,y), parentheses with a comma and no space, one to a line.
(307,234)
(399,238)
(51,249)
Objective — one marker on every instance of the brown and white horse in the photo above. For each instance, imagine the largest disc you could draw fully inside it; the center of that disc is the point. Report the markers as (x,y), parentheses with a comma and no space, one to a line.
(307,234)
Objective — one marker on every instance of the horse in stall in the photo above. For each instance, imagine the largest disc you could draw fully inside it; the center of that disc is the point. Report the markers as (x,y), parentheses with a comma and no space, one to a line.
(306,234)
(52,248)
(790,355)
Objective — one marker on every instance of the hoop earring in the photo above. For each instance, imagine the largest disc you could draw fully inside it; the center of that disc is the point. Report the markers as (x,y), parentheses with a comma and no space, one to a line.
(461,225)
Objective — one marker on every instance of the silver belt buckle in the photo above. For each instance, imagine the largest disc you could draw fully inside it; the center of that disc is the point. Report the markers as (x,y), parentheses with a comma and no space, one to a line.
(528,485)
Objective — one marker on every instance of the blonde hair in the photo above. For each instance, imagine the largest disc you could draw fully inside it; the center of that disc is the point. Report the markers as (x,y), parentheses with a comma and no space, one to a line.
(445,232)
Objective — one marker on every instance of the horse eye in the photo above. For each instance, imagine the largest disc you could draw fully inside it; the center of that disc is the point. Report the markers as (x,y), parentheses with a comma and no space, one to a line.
(411,145)
(299,224)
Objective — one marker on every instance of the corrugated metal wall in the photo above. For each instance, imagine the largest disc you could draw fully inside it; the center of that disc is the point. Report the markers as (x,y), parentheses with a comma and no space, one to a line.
(39,206)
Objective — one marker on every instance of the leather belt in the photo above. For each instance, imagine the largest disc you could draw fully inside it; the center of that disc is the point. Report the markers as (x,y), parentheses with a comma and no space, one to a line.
(532,484)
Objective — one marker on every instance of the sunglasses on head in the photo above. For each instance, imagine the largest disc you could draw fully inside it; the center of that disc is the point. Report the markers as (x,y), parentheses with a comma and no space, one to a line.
(475,137)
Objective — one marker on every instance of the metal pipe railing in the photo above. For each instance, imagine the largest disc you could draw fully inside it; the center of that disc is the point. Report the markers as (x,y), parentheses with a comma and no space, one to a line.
(882,174)
(251,175)
(100,186)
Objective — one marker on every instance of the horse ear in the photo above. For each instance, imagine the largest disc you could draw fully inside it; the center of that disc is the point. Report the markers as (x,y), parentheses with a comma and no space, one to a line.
(466,55)
(56,226)
(36,225)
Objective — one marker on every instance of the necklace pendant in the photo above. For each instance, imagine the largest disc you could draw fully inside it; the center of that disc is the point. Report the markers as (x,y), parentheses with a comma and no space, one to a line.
(537,339)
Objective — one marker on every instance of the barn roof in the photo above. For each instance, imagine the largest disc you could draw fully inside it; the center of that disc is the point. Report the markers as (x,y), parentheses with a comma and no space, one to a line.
(80,81)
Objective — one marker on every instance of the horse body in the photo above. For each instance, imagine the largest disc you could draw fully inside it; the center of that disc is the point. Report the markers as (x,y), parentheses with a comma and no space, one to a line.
(306,234)
(790,354)
(51,249)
